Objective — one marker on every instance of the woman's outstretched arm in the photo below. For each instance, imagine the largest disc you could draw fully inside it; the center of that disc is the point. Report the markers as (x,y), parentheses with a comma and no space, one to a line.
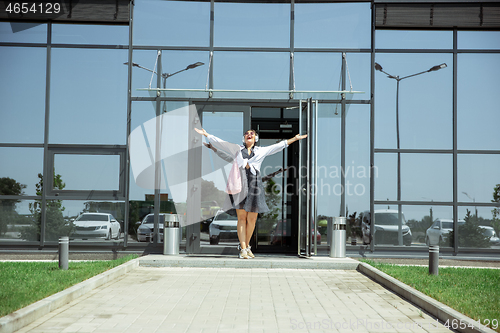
(296,138)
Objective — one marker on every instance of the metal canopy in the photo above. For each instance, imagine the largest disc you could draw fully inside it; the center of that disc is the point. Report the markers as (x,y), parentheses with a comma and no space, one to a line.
(250,94)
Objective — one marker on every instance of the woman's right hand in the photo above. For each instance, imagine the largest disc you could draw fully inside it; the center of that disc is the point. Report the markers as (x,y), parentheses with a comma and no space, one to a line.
(201,131)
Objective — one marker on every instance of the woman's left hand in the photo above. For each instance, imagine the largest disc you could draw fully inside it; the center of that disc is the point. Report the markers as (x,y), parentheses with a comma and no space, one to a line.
(300,137)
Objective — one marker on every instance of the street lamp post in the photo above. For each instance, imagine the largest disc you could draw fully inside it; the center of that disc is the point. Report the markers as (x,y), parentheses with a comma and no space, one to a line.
(398,79)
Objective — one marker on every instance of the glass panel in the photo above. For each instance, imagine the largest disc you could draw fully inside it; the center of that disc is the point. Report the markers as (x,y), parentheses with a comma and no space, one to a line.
(195,78)
(478,117)
(332,25)
(251,70)
(73,218)
(22,166)
(252,24)
(88,99)
(16,222)
(317,71)
(23,118)
(477,177)
(477,228)
(329,172)
(489,40)
(426,177)
(425,102)
(266,113)
(358,69)
(175,23)
(88,172)
(386,180)
(274,190)
(227,126)
(423,220)
(89,34)
(172,61)
(401,39)
(21,32)
(357,171)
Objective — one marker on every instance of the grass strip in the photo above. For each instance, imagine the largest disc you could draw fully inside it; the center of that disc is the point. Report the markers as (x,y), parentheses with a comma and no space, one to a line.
(23,283)
(474,292)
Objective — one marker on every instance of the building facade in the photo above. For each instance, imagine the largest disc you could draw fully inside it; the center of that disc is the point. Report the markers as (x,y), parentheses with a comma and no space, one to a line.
(398,99)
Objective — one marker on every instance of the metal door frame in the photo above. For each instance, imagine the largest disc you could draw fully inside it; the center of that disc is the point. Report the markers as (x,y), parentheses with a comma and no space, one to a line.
(307,182)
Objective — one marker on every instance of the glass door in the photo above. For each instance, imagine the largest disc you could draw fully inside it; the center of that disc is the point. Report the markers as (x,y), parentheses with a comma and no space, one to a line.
(308,229)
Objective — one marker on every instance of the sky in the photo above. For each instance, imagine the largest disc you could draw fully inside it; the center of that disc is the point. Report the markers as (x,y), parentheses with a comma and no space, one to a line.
(84,110)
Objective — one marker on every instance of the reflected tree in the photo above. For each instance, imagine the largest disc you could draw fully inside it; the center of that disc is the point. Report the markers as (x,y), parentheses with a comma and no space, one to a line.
(8,214)
(273,201)
(470,234)
(56,225)
(495,222)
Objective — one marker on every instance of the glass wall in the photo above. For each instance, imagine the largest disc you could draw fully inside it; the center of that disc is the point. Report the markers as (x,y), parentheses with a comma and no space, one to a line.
(428,138)
(421,133)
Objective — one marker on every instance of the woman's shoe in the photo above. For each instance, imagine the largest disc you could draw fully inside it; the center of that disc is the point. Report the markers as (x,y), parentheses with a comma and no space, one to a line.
(243,254)
(249,252)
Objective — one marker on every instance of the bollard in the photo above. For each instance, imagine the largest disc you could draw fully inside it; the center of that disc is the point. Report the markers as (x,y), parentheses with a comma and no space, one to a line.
(434,259)
(338,238)
(63,252)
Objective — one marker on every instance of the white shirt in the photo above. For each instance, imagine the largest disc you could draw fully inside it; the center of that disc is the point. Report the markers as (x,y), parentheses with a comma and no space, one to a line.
(259,152)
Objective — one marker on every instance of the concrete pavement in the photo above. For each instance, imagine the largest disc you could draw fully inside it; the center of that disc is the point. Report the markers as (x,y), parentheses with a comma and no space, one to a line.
(223,299)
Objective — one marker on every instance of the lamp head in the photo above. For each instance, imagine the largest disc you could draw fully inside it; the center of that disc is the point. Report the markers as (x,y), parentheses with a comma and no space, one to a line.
(437,67)
(133,64)
(196,64)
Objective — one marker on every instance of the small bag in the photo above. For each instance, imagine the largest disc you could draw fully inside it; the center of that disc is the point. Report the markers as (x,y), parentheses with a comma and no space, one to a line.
(234,182)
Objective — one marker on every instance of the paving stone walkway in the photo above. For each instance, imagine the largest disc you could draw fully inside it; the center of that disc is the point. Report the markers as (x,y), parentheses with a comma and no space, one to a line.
(174,299)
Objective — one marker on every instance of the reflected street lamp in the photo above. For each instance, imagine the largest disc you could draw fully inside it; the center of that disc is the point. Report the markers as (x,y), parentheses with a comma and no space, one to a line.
(165,76)
(398,79)
(473,200)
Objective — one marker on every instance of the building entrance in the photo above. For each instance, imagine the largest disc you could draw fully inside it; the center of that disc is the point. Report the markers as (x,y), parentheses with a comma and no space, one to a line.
(287,176)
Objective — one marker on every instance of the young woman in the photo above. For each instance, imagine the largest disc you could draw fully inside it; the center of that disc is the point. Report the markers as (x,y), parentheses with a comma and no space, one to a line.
(245,188)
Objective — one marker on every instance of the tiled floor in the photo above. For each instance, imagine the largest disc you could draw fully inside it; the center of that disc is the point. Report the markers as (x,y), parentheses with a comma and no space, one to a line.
(238,300)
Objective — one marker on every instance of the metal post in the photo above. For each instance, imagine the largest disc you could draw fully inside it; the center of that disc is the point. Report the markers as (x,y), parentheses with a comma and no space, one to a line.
(434,259)
(63,252)
(400,215)
(156,233)
(129,122)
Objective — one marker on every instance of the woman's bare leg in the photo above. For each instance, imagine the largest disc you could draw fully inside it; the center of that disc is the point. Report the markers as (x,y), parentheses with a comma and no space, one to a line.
(241,228)
(251,219)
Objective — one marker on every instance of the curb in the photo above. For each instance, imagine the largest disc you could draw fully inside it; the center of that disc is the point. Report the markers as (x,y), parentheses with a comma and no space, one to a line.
(444,313)
(22,317)
(234,262)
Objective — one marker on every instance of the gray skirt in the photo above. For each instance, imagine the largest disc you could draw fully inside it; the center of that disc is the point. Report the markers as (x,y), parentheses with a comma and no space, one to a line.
(251,200)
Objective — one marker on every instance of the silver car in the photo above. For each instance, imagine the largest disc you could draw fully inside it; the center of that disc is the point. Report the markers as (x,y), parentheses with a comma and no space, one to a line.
(96,225)
(223,227)
(491,233)
(146,228)
(439,231)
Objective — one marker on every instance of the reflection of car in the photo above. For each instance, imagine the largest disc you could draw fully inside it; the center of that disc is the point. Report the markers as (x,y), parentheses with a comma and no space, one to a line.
(439,231)
(147,227)
(490,232)
(223,226)
(281,234)
(96,225)
(387,227)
